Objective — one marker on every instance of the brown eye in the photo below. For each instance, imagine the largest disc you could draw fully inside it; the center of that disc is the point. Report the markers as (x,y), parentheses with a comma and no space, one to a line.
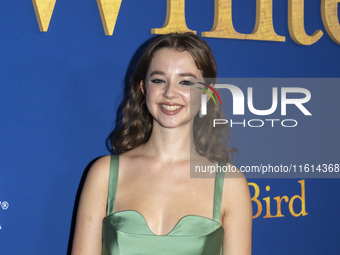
(188,83)
(157,81)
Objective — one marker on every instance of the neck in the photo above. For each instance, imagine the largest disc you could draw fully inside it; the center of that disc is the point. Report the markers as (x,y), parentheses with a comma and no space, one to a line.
(170,144)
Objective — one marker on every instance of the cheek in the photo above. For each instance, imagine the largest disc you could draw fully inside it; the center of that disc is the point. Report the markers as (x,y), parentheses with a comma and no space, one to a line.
(147,101)
(152,91)
(195,99)
(151,96)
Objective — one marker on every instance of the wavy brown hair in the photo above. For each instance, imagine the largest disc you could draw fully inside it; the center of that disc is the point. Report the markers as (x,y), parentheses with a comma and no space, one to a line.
(135,126)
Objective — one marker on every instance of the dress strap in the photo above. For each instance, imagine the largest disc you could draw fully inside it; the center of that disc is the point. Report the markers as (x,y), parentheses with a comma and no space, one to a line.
(219,180)
(113,179)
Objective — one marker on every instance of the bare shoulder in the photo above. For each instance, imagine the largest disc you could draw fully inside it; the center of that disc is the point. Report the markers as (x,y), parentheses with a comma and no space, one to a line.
(235,189)
(99,170)
(236,213)
(92,209)
(96,183)
(96,186)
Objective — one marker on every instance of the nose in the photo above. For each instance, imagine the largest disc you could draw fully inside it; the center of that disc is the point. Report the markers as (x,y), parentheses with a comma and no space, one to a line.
(171,90)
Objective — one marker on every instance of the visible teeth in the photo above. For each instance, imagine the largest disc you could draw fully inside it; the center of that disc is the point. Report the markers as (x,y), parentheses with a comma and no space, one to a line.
(171,107)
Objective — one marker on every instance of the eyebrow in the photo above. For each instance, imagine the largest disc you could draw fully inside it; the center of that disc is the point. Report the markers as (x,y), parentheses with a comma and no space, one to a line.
(181,74)
(157,72)
(187,74)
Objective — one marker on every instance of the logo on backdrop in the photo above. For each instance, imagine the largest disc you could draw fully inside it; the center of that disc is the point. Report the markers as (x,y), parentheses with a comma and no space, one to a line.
(4,206)
(283,205)
(238,99)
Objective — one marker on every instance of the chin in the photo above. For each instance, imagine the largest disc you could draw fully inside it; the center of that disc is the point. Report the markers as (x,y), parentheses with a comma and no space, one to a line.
(172,124)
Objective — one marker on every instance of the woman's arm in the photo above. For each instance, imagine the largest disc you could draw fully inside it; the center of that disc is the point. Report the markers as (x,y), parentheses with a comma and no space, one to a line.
(237,218)
(92,210)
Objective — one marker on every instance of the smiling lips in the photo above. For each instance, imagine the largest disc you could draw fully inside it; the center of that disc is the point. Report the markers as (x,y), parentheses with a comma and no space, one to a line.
(170,108)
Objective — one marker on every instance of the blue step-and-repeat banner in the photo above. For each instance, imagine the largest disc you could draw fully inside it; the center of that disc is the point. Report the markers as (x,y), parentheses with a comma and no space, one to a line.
(60,90)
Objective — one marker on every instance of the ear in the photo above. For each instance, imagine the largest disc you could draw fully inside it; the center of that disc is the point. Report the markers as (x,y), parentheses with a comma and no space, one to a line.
(142,87)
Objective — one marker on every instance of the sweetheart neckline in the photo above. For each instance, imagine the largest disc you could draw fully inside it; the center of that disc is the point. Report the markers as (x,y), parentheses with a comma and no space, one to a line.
(146,223)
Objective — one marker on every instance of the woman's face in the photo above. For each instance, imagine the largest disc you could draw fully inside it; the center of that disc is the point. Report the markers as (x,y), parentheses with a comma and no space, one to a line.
(168,91)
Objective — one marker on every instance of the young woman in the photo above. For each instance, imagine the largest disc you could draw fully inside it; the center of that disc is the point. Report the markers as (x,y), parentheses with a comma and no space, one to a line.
(144,201)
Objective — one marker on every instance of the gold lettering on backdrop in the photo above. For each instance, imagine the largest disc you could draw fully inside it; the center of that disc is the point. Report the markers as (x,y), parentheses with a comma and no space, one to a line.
(175,19)
(223,23)
(264,28)
(43,11)
(278,205)
(302,198)
(296,24)
(268,215)
(109,10)
(263,31)
(278,199)
(254,199)
(329,13)
(267,199)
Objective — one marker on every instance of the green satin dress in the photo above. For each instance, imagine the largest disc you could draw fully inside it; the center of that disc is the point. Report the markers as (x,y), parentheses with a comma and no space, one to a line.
(127,232)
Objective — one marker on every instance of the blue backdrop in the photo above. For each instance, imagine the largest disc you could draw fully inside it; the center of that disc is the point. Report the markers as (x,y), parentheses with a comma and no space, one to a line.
(59,93)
